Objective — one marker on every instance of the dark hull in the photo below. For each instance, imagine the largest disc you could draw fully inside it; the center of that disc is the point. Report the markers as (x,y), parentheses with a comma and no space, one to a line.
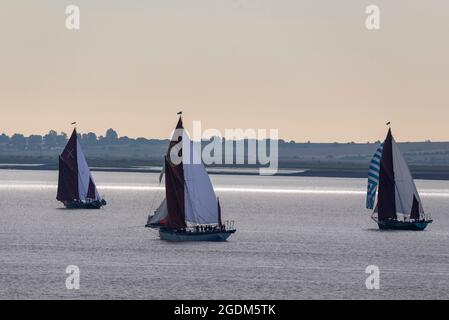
(85,205)
(154,225)
(179,236)
(403,225)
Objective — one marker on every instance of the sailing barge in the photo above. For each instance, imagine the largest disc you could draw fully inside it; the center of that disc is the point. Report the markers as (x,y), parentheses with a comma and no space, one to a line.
(399,206)
(190,211)
(76,187)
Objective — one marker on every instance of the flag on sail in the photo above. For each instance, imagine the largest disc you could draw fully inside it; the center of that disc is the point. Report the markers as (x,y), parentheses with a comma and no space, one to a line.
(373,178)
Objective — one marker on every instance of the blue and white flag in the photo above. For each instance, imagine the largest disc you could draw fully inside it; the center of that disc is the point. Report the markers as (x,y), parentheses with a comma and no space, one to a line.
(373,178)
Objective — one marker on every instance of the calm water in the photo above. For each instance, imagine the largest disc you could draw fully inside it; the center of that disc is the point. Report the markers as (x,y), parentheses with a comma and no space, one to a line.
(298,238)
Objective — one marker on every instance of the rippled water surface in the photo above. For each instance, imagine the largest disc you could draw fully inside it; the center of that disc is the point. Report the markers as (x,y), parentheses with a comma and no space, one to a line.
(297,238)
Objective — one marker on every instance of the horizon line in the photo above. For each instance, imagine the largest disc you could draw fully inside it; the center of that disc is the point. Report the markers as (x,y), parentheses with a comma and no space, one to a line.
(221,137)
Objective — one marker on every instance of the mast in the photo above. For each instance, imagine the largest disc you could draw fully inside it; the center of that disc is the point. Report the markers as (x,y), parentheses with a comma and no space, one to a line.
(174,183)
(386,206)
(68,189)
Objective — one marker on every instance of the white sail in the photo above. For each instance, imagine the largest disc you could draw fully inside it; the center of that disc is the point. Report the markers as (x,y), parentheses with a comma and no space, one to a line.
(160,213)
(83,173)
(404,184)
(200,201)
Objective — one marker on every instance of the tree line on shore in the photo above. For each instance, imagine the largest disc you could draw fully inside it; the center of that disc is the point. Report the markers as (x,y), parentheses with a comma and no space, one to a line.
(112,145)
(54,140)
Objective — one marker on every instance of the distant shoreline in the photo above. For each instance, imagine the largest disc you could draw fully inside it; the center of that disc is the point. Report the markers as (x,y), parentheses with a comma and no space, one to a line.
(422,174)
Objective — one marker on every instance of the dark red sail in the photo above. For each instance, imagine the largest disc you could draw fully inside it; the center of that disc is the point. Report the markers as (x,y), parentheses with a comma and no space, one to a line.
(174,186)
(68,171)
(415,209)
(386,206)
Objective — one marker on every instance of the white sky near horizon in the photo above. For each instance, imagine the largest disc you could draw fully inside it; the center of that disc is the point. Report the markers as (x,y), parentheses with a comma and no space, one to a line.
(307,68)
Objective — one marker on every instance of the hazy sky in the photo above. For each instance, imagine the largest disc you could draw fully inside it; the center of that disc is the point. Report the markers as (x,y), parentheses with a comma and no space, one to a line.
(308,68)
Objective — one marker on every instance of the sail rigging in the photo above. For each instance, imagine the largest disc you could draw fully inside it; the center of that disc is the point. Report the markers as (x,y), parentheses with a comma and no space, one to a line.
(397,192)
(189,192)
(75,182)
(192,210)
(161,174)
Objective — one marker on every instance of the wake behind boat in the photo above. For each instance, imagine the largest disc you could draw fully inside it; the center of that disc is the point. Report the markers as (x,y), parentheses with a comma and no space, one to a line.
(190,211)
(76,187)
(399,206)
